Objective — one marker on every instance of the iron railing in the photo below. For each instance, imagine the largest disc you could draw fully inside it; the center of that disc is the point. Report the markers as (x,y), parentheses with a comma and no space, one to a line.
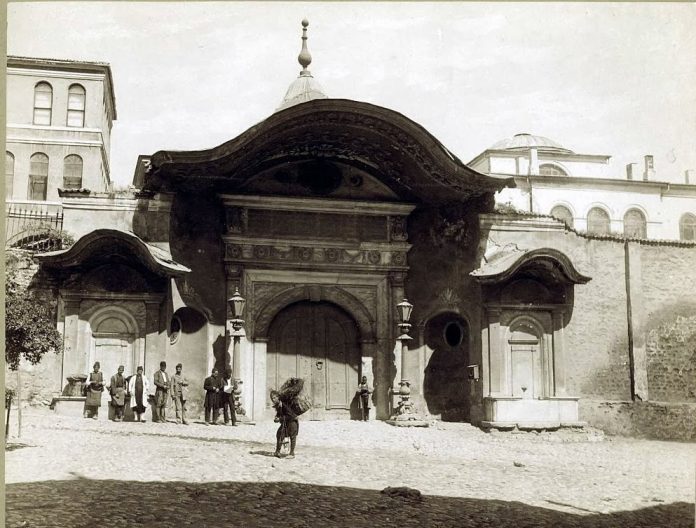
(28,223)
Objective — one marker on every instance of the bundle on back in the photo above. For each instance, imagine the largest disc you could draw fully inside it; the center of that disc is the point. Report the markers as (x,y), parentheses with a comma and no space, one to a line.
(292,393)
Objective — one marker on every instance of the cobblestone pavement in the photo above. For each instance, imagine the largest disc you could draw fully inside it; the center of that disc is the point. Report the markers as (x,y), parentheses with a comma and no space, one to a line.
(75,473)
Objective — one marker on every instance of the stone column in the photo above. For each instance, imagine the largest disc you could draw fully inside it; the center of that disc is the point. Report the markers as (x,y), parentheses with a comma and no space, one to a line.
(397,281)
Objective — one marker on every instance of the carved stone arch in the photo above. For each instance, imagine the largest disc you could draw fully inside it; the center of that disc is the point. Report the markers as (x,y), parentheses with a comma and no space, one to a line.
(333,294)
(528,320)
(102,313)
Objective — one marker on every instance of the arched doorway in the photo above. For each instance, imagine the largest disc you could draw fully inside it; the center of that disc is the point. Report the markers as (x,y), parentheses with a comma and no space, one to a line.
(446,385)
(113,342)
(316,341)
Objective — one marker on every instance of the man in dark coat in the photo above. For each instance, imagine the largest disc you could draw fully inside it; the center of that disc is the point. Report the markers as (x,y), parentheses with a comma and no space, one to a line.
(213,386)
(161,393)
(118,389)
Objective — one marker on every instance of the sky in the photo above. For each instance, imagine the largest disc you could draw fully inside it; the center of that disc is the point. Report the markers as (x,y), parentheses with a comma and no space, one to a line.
(599,78)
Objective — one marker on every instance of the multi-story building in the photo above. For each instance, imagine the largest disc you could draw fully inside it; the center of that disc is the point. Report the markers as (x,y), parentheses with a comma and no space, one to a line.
(59,119)
(581,190)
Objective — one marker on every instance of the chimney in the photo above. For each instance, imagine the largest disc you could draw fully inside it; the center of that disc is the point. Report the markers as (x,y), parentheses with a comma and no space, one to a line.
(649,173)
(690,177)
(631,171)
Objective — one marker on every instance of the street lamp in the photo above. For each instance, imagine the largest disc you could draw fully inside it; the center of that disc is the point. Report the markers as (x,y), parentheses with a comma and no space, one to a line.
(404,414)
(237,303)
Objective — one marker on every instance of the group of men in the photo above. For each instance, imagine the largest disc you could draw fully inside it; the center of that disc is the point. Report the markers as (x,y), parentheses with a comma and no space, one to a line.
(138,387)
(220,394)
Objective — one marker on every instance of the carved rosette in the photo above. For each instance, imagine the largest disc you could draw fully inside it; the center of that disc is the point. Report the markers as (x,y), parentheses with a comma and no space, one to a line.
(374,257)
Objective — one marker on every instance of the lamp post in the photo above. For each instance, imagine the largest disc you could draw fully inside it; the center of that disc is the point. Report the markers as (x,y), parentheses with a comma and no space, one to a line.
(404,414)
(237,303)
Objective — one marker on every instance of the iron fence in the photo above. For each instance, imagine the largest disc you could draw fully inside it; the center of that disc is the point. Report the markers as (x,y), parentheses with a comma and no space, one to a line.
(32,225)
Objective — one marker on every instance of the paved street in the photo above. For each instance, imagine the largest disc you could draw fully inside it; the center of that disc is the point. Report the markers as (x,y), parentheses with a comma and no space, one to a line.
(74,473)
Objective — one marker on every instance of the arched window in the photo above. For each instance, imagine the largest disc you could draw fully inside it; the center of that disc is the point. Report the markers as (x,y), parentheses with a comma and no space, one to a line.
(38,176)
(43,102)
(547,169)
(687,227)
(72,172)
(9,174)
(563,213)
(635,225)
(76,106)
(598,222)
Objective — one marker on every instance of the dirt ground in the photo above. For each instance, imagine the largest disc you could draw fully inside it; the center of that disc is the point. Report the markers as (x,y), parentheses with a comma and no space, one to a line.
(73,473)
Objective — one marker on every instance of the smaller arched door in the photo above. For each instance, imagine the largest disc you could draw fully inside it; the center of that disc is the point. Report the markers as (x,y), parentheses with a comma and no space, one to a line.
(318,342)
(113,344)
(526,369)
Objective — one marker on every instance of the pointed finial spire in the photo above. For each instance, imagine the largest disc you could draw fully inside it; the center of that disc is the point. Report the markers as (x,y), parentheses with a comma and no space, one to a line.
(304,58)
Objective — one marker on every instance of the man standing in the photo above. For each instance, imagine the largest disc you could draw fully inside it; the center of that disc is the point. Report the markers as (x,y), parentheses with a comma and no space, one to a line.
(364,392)
(213,386)
(161,392)
(179,395)
(139,388)
(227,403)
(117,389)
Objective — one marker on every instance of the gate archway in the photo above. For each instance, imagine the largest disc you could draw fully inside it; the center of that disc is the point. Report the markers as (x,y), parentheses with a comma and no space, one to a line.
(316,341)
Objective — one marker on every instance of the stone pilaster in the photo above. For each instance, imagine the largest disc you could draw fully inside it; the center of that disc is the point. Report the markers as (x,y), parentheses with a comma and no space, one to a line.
(497,363)
(74,361)
(153,353)
(559,359)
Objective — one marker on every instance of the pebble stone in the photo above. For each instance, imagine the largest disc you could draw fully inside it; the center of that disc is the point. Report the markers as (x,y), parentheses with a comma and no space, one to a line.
(71,472)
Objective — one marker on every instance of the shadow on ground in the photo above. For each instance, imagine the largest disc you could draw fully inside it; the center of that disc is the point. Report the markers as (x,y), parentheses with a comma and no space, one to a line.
(83,503)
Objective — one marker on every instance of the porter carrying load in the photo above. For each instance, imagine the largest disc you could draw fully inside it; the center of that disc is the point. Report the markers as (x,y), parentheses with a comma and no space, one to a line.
(293,395)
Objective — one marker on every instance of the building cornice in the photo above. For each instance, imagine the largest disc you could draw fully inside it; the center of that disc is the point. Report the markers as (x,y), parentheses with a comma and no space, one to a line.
(664,188)
(546,155)
(70,69)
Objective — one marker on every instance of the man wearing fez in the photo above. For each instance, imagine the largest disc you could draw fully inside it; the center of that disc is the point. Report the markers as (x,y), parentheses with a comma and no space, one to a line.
(161,393)
(179,393)
(117,389)
(93,390)
(213,386)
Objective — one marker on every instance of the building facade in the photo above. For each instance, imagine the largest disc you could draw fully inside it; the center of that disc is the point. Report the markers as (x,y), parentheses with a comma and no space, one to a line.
(581,190)
(59,119)
(325,216)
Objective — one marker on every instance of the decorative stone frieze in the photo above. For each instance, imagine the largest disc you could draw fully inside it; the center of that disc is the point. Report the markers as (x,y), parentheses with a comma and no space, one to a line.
(260,252)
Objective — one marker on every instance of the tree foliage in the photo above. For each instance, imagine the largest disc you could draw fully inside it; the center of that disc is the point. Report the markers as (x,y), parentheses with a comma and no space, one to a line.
(30,330)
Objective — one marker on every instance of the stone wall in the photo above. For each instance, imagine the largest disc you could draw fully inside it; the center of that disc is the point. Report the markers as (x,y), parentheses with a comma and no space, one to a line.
(668,274)
(656,420)
(651,281)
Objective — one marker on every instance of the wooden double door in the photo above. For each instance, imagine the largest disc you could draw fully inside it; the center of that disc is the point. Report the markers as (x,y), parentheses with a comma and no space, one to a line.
(318,342)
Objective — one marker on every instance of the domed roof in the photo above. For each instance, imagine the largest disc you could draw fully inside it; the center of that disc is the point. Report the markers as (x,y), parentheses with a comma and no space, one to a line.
(525,141)
(304,88)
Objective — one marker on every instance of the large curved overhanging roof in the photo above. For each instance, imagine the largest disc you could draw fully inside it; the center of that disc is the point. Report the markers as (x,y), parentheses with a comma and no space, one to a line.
(503,265)
(385,143)
(104,243)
